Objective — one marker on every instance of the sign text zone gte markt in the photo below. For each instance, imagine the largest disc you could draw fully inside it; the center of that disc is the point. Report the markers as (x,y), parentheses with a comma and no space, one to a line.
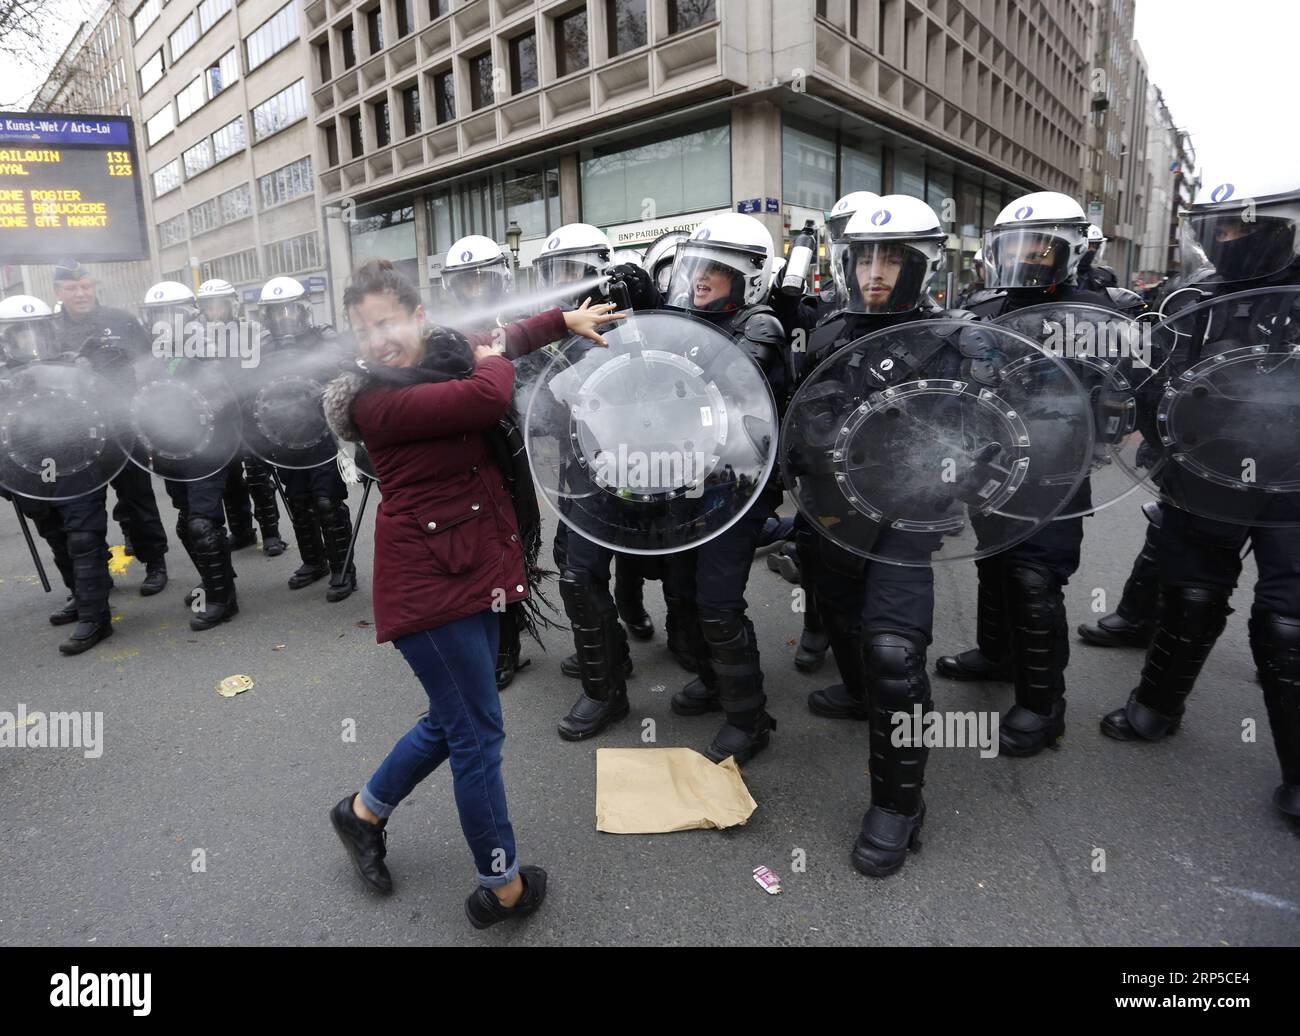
(69,188)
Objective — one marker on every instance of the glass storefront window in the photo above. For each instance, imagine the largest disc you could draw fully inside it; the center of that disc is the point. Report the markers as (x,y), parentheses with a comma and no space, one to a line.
(380,233)
(659,177)
(808,169)
(861,168)
(909,174)
(528,195)
(938,192)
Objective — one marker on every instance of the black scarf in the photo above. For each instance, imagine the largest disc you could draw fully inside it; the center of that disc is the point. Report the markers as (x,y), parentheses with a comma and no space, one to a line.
(450,356)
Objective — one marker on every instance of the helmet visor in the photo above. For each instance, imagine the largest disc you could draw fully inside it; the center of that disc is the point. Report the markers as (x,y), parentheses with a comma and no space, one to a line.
(285,319)
(881,276)
(217,310)
(709,279)
(579,271)
(1229,246)
(25,341)
(1037,257)
(836,224)
(484,284)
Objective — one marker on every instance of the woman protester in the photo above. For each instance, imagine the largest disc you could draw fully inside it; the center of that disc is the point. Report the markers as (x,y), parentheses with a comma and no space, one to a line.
(456,540)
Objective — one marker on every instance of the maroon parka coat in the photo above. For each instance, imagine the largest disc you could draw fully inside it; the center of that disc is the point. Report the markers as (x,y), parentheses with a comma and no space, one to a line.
(446,543)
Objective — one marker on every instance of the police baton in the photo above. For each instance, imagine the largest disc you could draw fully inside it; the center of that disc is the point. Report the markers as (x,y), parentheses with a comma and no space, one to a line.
(356,528)
(31,545)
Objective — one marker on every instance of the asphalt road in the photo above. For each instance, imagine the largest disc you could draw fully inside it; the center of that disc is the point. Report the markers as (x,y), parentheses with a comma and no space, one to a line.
(101,851)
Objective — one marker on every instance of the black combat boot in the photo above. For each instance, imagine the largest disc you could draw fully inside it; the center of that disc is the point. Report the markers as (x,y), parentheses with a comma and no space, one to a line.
(847,700)
(261,488)
(1275,643)
(89,554)
(894,671)
(311,547)
(212,555)
(629,597)
(700,695)
(1132,623)
(1040,648)
(155,578)
(336,532)
(508,648)
(1189,621)
(990,659)
(681,618)
(601,644)
(734,659)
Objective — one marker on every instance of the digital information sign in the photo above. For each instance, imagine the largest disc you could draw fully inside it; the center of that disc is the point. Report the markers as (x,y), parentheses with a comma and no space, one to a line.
(69,188)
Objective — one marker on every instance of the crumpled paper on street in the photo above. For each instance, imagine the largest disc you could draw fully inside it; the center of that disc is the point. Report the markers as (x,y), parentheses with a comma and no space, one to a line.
(641,791)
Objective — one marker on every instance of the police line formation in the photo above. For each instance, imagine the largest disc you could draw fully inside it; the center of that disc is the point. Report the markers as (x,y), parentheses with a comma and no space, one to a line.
(906,434)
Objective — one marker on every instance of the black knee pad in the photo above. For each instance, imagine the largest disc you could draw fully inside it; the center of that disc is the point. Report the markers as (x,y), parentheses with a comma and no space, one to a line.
(895,670)
(1275,644)
(204,533)
(1035,594)
(84,544)
(722,626)
(323,506)
(1196,613)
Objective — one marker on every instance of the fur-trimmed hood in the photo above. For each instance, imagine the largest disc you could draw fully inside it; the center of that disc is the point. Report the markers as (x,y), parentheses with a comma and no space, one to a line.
(338,399)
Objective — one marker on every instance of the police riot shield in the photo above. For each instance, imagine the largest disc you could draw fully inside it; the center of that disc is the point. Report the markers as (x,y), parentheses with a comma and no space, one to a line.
(283,420)
(183,423)
(1225,410)
(937,440)
(656,444)
(1112,356)
(60,431)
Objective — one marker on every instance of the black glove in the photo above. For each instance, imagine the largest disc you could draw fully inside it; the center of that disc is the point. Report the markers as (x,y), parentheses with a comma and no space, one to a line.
(640,289)
(104,353)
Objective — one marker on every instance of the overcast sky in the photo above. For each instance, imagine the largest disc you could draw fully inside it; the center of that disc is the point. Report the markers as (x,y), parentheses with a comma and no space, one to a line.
(1228,69)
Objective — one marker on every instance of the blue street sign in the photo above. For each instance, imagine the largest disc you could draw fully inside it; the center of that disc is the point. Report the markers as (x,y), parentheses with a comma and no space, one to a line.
(773,204)
(750,205)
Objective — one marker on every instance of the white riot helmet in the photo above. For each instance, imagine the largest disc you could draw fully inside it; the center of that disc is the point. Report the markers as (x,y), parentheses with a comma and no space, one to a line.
(659,258)
(1037,241)
(842,211)
(725,264)
(1241,229)
(984,273)
(283,307)
(625,256)
(477,271)
(25,331)
(887,256)
(166,301)
(1096,243)
(218,301)
(574,254)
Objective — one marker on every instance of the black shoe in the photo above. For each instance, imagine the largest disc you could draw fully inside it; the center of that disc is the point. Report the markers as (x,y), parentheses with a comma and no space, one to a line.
(215,614)
(589,717)
(569,666)
(366,844)
(155,578)
(307,574)
(786,564)
(343,589)
(743,744)
(484,909)
(241,538)
(642,628)
(1024,733)
(1116,631)
(66,614)
(1137,722)
(86,635)
(811,653)
(507,666)
(695,700)
(972,665)
(885,839)
(835,702)
(1287,800)
(272,545)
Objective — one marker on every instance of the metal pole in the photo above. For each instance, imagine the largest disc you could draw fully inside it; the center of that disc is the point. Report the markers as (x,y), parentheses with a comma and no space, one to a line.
(31,545)
(356,528)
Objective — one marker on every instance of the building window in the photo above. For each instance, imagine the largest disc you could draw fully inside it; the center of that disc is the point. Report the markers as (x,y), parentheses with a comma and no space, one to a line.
(151,71)
(438,8)
(383,129)
(205,218)
(238,268)
(626,21)
(375,29)
(528,195)
(197,158)
(355,141)
(571,42)
(229,139)
(181,276)
(687,14)
(172,231)
(808,169)
(323,58)
(279,110)
(411,110)
(294,255)
(272,36)
(286,183)
(223,74)
(236,204)
(160,125)
(379,233)
(685,173)
(444,96)
(331,146)
(861,167)
(480,80)
(146,14)
(405,10)
(523,62)
(191,99)
(185,36)
(210,11)
(348,40)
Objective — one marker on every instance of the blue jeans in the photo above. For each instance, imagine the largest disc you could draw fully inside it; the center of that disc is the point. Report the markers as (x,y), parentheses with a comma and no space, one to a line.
(457,665)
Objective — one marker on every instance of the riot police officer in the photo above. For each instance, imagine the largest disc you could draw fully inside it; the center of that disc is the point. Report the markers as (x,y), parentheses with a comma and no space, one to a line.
(722,275)
(250,491)
(111,340)
(317,496)
(1034,249)
(1092,275)
(1240,233)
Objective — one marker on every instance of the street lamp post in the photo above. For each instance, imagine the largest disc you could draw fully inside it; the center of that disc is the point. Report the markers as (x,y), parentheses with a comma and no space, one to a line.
(513,234)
